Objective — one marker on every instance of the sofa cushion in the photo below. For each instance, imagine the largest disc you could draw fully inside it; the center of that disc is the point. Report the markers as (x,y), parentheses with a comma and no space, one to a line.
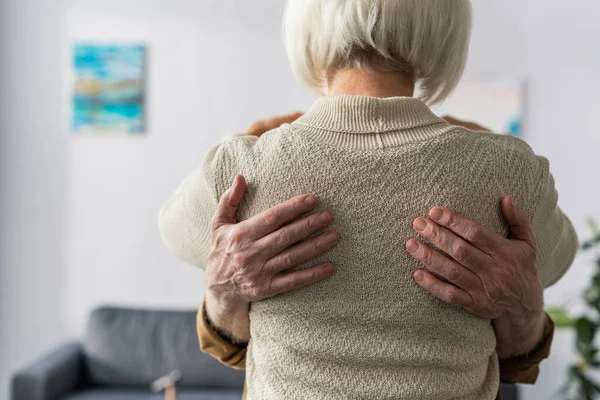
(132,347)
(132,394)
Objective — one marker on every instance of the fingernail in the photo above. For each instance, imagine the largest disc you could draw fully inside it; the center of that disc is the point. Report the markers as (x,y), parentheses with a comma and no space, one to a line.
(310,201)
(325,217)
(331,236)
(419,276)
(436,214)
(512,203)
(330,267)
(412,246)
(420,224)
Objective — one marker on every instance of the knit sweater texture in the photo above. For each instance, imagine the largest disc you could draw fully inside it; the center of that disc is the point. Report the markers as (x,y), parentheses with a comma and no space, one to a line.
(369,331)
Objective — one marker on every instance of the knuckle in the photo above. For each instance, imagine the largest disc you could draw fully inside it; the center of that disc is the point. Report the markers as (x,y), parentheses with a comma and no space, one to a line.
(434,288)
(234,239)
(288,259)
(262,291)
(435,233)
(284,237)
(255,292)
(252,288)
(240,261)
(450,219)
(270,217)
(310,223)
(427,257)
(460,252)
(294,282)
(450,296)
(472,233)
(454,274)
(317,245)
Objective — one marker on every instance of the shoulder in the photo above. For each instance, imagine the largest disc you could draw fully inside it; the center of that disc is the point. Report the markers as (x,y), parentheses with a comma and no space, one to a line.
(240,142)
(503,148)
(239,154)
(510,158)
(500,141)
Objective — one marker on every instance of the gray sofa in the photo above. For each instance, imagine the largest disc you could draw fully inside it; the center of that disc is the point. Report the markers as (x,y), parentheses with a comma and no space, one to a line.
(124,351)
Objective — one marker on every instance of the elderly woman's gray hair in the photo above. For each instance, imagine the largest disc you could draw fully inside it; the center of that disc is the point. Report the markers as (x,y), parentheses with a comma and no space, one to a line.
(426,39)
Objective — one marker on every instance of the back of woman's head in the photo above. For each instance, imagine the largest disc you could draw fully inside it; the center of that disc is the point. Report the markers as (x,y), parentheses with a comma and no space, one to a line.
(425,39)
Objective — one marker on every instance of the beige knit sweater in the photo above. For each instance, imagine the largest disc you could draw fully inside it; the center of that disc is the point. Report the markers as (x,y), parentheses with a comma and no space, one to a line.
(376,164)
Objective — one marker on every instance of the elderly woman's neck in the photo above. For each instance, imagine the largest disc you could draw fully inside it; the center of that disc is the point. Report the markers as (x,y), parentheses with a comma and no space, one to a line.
(356,82)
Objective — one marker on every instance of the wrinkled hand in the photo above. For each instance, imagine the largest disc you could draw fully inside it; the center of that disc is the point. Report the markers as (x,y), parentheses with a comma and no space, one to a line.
(489,275)
(260,127)
(249,261)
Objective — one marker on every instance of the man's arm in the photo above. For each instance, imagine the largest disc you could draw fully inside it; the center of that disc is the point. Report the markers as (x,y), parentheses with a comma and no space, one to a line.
(218,344)
(526,367)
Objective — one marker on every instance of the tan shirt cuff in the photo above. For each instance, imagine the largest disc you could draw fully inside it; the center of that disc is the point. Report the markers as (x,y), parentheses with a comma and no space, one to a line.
(526,368)
(212,343)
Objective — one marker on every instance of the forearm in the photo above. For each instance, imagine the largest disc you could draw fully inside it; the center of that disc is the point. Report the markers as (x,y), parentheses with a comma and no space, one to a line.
(525,368)
(232,319)
(214,344)
(516,336)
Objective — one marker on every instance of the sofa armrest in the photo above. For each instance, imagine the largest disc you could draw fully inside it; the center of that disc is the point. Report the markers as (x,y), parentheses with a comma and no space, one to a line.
(51,377)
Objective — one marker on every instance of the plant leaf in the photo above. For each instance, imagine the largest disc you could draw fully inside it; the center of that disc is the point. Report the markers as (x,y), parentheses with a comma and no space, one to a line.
(592,294)
(560,316)
(586,330)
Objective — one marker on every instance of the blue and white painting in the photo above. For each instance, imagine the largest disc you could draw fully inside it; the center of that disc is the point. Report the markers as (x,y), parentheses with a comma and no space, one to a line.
(109,90)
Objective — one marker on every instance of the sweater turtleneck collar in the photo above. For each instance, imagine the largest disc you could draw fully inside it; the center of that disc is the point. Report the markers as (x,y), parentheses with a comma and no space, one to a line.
(371,122)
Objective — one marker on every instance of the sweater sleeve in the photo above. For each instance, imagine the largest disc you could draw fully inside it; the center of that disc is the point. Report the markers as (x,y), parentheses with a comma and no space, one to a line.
(556,239)
(184,220)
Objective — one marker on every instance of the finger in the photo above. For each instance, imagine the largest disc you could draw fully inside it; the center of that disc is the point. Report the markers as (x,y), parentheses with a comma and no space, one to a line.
(465,124)
(256,129)
(456,247)
(260,127)
(479,236)
(443,266)
(272,219)
(285,119)
(286,281)
(229,203)
(278,241)
(302,252)
(518,222)
(443,291)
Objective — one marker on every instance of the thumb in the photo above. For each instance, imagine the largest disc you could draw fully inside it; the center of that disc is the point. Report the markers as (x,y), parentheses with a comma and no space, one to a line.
(518,222)
(229,202)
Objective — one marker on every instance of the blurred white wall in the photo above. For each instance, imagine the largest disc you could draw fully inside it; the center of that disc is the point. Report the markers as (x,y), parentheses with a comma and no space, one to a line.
(33,182)
(77,214)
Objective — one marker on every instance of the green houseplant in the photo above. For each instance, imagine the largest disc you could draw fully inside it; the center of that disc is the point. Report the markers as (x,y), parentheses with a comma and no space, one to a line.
(580,383)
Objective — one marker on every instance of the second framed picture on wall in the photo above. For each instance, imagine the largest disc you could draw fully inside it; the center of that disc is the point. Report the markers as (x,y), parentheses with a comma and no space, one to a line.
(494,103)
(109,88)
